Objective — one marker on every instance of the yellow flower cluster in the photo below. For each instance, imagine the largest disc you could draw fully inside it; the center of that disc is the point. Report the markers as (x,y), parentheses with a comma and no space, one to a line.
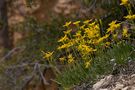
(87,39)
(84,37)
(82,40)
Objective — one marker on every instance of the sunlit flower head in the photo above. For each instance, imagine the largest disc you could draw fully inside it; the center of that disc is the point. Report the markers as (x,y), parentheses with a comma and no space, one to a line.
(47,55)
(85,49)
(76,23)
(63,39)
(124,2)
(91,33)
(113,26)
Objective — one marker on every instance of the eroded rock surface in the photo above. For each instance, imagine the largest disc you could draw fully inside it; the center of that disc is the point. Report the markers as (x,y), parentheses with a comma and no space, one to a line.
(120,82)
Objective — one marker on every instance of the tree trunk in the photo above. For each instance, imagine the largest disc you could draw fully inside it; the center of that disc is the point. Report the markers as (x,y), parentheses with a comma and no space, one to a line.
(4,33)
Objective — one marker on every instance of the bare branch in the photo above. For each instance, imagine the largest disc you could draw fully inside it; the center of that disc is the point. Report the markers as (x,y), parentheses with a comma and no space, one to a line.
(41,74)
(11,53)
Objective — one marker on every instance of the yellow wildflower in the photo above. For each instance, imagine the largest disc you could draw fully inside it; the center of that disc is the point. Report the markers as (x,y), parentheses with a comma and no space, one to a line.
(92,24)
(76,23)
(87,64)
(63,46)
(86,21)
(67,24)
(131,17)
(70,58)
(93,50)
(107,43)
(91,33)
(63,39)
(47,55)
(102,38)
(96,27)
(78,34)
(82,27)
(124,2)
(79,39)
(68,31)
(113,26)
(67,45)
(125,32)
(85,49)
(62,59)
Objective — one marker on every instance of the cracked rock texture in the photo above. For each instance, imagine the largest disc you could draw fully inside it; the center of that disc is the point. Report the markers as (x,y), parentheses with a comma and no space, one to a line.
(120,82)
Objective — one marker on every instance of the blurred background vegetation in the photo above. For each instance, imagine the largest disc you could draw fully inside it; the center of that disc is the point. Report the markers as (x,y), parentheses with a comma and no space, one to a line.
(28,27)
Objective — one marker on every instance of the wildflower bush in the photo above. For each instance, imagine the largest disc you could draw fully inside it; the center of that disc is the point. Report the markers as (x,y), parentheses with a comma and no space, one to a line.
(88,53)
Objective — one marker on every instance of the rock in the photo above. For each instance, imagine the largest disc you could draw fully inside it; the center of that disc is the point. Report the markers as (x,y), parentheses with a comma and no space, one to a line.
(102,82)
(129,88)
(121,82)
(119,86)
